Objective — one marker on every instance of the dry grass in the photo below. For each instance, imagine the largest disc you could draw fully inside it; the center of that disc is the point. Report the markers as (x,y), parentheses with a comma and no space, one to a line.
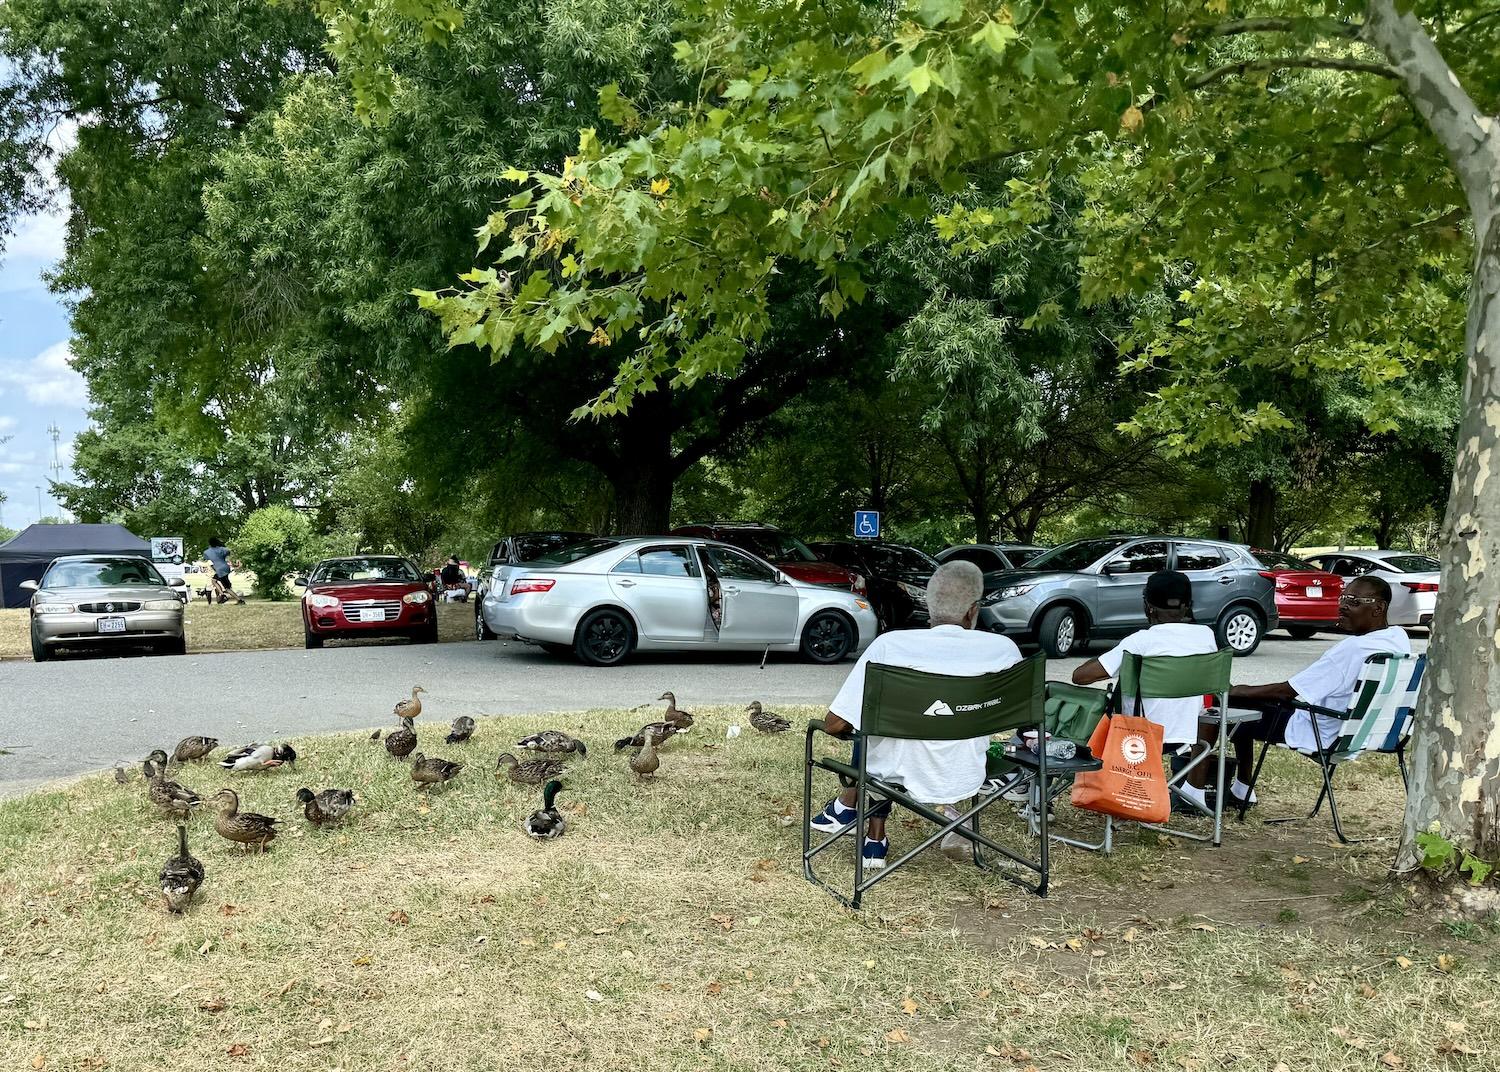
(257,625)
(670,929)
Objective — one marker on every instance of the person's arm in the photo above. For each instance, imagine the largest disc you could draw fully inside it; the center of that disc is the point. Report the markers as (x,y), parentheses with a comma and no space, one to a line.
(1090,672)
(836,726)
(1277,690)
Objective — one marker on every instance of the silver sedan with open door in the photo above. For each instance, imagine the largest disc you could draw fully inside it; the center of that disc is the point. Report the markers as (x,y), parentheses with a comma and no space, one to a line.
(605,598)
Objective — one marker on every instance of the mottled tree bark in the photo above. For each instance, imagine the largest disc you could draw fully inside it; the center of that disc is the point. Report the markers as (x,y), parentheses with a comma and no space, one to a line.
(1260,521)
(1455,769)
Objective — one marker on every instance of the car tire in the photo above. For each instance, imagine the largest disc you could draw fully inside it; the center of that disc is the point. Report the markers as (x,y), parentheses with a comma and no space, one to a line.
(426,635)
(1239,629)
(827,638)
(39,651)
(604,638)
(482,631)
(175,647)
(311,640)
(1302,632)
(1061,633)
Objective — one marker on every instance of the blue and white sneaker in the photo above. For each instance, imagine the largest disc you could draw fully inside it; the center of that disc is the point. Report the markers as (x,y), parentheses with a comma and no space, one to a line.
(874,853)
(834,819)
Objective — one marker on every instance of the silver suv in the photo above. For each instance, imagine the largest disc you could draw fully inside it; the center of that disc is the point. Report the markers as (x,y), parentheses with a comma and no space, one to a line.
(1094,589)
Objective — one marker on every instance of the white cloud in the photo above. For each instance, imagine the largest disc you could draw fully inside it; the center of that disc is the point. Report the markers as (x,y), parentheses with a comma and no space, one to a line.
(39,237)
(48,379)
(6,424)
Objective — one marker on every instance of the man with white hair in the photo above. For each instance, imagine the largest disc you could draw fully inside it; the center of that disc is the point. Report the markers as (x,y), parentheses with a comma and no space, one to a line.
(934,772)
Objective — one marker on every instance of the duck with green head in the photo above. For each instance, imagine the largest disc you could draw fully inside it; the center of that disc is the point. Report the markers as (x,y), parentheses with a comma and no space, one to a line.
(546,822)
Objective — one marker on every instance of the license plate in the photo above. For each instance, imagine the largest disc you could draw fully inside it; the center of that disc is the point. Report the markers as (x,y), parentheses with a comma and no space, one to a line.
(375,614)
(110,625)
(1315,591)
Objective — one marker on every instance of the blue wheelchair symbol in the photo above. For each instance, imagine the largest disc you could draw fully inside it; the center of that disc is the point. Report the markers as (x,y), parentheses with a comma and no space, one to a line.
(867,524)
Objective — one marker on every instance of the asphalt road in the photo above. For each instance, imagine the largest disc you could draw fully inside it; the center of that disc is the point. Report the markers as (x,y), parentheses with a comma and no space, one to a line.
(76,715)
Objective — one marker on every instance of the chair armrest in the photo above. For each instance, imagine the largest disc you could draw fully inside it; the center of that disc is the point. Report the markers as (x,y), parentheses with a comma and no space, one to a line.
(821,726)
(1326,712)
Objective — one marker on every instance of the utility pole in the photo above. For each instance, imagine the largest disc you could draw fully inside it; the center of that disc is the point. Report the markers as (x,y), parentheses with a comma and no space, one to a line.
(55,432)
(39,514)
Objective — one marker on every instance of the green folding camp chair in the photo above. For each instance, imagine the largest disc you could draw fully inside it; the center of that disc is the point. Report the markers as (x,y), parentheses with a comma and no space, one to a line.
(1378,720)
(912,705)
(1072,712)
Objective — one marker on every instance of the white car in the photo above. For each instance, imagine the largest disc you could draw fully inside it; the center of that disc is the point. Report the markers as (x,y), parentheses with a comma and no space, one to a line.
(605,598)
(1413,579)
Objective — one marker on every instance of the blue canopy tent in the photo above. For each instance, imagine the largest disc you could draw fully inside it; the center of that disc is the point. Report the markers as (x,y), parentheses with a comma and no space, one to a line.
(25,557)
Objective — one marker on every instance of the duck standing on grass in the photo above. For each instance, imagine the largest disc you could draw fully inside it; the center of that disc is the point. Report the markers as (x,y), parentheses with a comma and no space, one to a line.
(461,730)
(657,731)
(646,762)
(176,800)
(191,748)
(410,708)
(157,758)
(181,875)
(681,721)
(259,757)
(555,742)
(427,772)
(532,772)
(767,721)
(327,806)
(547,822)
(244,828)
(403,742)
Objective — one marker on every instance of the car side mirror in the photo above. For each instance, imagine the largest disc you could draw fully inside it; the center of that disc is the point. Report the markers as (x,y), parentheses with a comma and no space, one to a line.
(1117,566)
(300,582)
(176,582)
(29,586)
(781,578)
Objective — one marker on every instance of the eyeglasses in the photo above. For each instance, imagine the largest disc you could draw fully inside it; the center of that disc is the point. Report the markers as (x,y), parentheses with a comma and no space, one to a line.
(1354,601)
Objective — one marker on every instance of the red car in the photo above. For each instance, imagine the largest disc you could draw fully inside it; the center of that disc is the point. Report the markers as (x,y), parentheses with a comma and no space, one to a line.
(1307,598)
(787,553)
(367,596)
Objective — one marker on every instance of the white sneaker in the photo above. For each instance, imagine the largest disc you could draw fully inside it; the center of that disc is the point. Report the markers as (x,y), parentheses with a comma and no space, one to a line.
(952,842)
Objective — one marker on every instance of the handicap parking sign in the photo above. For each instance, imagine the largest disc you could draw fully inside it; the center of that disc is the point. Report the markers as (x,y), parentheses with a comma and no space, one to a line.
(867,524)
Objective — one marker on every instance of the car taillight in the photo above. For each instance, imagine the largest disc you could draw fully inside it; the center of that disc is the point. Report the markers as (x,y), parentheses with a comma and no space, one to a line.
(1420,586)
(1280,583)
(531,584)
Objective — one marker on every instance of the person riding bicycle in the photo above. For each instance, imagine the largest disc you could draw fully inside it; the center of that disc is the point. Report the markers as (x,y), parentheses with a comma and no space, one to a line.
(219,585)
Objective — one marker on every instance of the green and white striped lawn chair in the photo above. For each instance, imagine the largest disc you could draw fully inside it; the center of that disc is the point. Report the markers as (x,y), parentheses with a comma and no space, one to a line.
(1378,720)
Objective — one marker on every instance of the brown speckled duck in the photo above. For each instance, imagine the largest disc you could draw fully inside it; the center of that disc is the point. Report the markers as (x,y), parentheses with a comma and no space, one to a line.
(244,828)
(413,707)
(326,806)
(658,732)
(646,762)
(680,720)
(191,748)
(176,800)
(181,875)
(767,721)
(403,742)
(429,772)
(532,772)
(554,742)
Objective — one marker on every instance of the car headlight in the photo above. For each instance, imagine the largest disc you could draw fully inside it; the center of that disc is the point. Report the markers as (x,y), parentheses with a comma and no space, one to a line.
(322,601)
(415,597)
(1012,592)
(53,608)
(162,604)
(919,594)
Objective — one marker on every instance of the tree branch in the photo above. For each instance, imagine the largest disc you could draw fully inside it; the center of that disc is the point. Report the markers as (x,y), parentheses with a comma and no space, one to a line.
(1273,24)
(1277,63)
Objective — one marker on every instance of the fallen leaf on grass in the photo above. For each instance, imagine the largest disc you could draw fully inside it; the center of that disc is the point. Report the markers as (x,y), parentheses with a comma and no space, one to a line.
(714,989)
(1143,1057)
(1299,859)
(361,962)
(324,1041)
(1366,990)
(1130,935)
(909,1006)
(39,1061)
(1205,927)
(1348,1037)
(897,1037)
(227,909)
(986,992)
(727,922)
(1403,963)
(778,1023)
(399,918)
(1446,963)
(239,1049)
(208,943)
(1448,1046)
(702,1034)
(1391,1060)
(215,1004)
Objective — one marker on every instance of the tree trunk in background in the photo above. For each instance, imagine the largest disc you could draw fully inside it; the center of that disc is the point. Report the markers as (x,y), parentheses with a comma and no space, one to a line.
(1455,768)
(1260,524)
(644,473)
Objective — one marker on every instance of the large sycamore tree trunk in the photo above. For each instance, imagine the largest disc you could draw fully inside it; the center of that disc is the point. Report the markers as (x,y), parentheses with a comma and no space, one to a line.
(1455,770)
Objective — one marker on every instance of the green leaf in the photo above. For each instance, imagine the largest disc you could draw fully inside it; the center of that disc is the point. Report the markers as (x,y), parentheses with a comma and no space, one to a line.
(1478,869)
(739,89)
(995,36)
(937,12)
(921,79)
(1437,851)
(515,174)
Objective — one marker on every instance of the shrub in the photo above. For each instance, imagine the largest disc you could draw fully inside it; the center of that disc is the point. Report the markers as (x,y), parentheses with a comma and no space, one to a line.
(273,542)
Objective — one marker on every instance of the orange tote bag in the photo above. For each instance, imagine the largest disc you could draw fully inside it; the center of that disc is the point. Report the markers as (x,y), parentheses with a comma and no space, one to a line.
(1131,784)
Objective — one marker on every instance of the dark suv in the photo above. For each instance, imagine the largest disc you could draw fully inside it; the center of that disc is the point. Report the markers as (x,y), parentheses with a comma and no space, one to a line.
(1094,588)
(787,553)
(896,574)
(522,547)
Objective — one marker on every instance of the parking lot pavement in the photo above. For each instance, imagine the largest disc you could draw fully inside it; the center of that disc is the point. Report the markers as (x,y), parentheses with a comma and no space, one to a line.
(75,715)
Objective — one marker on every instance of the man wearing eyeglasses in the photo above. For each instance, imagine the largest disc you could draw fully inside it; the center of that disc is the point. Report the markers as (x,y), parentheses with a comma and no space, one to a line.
(1328,682)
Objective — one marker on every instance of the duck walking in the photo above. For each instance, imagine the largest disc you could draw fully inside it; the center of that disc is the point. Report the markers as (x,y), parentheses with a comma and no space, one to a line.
(646,762)
(259,757)
(461,730)
(181,875)
(546,822)
(657,731)
(555,742)
(532,772)
(326,806)
(191,748)
(681,720)
(403,742)
(428,772)
(176,800)
(767,721)
(244,828)
(413,707)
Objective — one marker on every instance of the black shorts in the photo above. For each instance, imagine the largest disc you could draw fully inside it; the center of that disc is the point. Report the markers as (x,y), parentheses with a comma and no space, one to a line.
(224,580)
(1271,726)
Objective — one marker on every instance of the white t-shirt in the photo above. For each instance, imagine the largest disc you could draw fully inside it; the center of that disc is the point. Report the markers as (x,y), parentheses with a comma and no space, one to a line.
(1177,717)
(1329,682)
(934,772)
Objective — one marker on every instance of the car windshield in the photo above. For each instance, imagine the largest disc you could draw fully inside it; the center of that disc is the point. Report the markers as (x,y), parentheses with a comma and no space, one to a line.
(894,558)
(1412,564)
(574,552)
(771,545)
(1022,556)
(101,573)
(1274,560)
(1077,555)
(530,548)
(363,570)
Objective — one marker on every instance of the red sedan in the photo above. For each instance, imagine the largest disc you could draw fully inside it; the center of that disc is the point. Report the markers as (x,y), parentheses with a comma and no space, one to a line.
(367,596)
(1307,598)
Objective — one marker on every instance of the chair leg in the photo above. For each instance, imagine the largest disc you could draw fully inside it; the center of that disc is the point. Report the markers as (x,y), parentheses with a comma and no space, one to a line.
(861,804)
(807,769)
(1254,777)
(1046,804)
(1401,766)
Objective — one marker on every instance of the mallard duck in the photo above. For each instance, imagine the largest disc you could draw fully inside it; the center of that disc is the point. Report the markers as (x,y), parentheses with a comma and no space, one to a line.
(244,828)
(375,736)
(156,758)
(646,762)
(426,772)
(403,742)
(681,719)
(259,757)
(547,821)
(767,721)
(659,732)
(120,776)
(176,800)
(532,772)
(553,741)
(181,875)
(410,708)
(327,806)
(461,730)
(191,748)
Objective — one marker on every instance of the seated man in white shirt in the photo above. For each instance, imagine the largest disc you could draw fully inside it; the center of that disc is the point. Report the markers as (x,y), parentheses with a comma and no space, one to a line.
(1328,682)
(1170,631)
(934,772)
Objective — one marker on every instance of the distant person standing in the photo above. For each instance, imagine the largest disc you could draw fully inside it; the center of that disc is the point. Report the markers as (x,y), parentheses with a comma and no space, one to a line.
(219,584)
(455,581)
